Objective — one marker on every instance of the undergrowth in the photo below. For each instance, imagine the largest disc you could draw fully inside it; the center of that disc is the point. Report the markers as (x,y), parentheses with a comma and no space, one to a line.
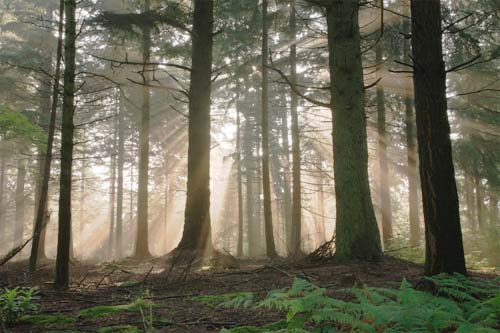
(460,305)
(106,310)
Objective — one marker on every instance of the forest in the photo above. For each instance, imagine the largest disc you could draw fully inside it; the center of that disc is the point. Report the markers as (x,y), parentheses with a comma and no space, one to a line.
(250,166)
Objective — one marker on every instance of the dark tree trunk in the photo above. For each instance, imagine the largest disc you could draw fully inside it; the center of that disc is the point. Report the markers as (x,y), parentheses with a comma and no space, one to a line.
(443,235)
(357,234)
(38,243)
(67,131)
(411,149)
(20,200)
(197,229)
(142,237)
(384,185)
(119,185)
(266,181)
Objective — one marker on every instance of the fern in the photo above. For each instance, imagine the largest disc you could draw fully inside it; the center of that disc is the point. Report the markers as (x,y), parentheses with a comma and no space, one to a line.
(462,305)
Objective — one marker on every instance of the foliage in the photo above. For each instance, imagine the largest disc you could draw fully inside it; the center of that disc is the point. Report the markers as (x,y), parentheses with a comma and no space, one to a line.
(16,126)
(272,327)
(106,310)
(461,305)
(399,247)
(15,302)
(119,329)
(233,300)
(45,319)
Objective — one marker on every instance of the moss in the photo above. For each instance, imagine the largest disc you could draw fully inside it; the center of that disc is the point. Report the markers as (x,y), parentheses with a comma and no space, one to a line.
(271,327)
(43,319)
(119,329)
(106,310)
(214,300)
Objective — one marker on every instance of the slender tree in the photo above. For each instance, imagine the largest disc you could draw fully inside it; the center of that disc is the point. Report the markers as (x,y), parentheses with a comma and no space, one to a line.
(384,183)
(37,248)
(67,131)
(20,202)
(141,244)
(197,229)
(443,235)
(296,233)
(119,185)
(266,181)
(239,250)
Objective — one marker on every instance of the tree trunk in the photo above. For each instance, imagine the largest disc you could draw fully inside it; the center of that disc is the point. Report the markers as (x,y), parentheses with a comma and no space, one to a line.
(479,201)
(249,175)
(197,229)
(38,243)
(239,250)
(384,185)
(20,200)
(287,178)
(64,234)
(296,233)
(112,195)
(411,148)
(142,237)
(444,247)
(266,183)
(119,185)
(2,190)
(357,234)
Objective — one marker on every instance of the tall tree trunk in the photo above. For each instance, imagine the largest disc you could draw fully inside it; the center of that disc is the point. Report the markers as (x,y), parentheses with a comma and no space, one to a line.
(249,175)
(112,194)
(239,250)
(67,131)
(197,229)
(142,242)
(357,234)
(266,182)
(411,147)
(38,243)
(443,235)
(2,190)
(384,185)
(287,193)
(469,201)
(119,185)
(494,214)
(479,201)
(321,202)
(20,203)
(296,234)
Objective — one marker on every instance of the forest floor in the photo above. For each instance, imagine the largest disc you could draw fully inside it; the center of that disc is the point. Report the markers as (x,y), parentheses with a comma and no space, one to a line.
(104,297)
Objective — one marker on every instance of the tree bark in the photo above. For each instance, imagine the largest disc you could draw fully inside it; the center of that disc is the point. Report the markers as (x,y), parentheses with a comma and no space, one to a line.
(239,250)
(119,185)
(479,201)
(63,241)
(197,229)
(384,184)
(444,247)
(20,203)
(411,147)
(142,237)
(266,182)
(38,243)
(2,190)
(112,195)
(357,234)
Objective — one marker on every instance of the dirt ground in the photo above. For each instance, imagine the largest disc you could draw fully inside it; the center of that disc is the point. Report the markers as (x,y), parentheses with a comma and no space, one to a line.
(172,290)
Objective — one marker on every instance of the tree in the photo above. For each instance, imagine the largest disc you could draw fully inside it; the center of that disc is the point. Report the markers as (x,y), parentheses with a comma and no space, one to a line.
(296,173)
(384,183)
(266,181)
(197,229)
(141,244)
(444,247)
(64,234)
(41,212)
(357,234)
